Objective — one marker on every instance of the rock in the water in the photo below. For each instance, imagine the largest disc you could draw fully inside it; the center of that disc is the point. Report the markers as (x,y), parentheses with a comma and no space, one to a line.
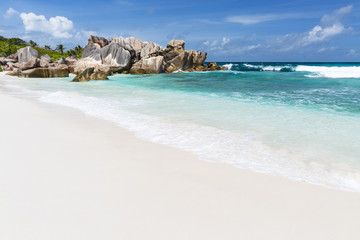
(116,56)
(90,74)
(45,73)
(99,76)
(26,54)
(212,66)
(148,65)
(174,54)
(98,41)
(193,59)
(84,76)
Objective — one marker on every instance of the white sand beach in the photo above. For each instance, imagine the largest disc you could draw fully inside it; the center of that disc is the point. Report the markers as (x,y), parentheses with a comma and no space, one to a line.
(65,175)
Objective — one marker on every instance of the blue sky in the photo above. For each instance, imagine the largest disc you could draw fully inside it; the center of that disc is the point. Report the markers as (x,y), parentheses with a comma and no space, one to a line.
(229,30)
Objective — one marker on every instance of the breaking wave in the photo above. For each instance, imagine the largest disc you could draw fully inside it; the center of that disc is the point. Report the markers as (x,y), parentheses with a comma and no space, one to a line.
(316,70)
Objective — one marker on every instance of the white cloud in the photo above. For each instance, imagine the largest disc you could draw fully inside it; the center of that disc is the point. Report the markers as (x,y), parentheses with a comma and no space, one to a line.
(225,41)
(10,12)
(337,16)
(253,19)
(59,27)
(331,26)
(319,34)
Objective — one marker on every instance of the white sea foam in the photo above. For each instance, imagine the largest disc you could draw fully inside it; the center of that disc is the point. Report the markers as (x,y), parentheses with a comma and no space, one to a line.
(229,66)
(330,72)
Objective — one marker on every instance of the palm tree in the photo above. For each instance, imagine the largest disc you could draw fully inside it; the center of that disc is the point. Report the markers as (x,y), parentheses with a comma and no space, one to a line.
(32,43)
(60,48)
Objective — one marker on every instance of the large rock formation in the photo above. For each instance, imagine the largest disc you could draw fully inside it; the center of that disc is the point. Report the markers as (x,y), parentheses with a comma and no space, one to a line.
(148,65)
(102,57)
(44,73)
(99,42)
(113,57)
(90,74)
(116,56)
(45,61)
(26,54)
(148,49)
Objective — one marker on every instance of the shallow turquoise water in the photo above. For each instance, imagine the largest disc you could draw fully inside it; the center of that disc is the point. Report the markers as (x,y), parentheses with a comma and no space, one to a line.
(302,122)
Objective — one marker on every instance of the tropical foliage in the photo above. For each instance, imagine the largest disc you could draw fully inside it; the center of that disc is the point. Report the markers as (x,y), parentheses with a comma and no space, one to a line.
(9,46)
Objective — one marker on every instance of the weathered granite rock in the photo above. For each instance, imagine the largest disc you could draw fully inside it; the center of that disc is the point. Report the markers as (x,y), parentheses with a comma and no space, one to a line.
(131,44)
(90,74)
(212,66)
(84,76)
(135,56)
(98,41)
(192,59)
(92,51)
(112,55)
(174,54)
(99,76)
(45,73)
(87,62)
(32,63)
(13,57)
(148,65)
(45,61)
(62,61)
(200,68)
(26,54)
(148,49)
(116,56)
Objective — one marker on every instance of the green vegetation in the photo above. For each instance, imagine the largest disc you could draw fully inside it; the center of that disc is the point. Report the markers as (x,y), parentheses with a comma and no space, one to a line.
(32,43)
(0,69)
(9,46)
(60,48)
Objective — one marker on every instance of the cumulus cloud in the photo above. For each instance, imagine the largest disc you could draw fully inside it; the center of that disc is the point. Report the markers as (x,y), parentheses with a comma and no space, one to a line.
(331,25)
(10,12)
(59,27)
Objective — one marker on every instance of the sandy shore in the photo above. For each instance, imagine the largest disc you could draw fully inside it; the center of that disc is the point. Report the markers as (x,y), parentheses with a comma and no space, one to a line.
(64,175)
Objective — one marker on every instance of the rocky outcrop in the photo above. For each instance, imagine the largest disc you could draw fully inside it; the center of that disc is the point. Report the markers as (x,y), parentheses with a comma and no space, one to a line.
(212,66)
(193,59)
(26,54)
(113,56)
(116,56)
(32,63)
(148,65)
(99,42)
(45,61)
(44,73)
(119,55)
(148,49)
(102,57)
(90,74)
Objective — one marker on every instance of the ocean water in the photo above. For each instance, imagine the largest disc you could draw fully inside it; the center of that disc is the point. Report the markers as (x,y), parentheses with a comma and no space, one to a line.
(296,120)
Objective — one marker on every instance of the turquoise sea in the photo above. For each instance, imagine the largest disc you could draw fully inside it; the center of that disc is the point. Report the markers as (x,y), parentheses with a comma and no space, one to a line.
(297,120)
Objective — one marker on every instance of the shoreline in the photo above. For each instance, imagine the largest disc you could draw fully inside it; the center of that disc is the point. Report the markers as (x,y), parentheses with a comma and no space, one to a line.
(68,175)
